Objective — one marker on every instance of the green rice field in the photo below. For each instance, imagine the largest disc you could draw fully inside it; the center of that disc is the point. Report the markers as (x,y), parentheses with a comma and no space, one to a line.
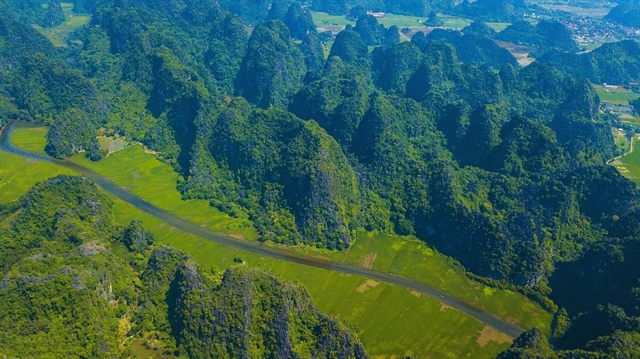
(379,311)
(72,22)
(615,95)
(376,309)
(30,139)
(323,19)
(135,170)
(498,26)
(629,165)
(401,21)
(18,174)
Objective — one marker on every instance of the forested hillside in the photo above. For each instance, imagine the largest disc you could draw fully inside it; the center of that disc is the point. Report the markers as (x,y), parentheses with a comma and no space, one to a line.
(545,36)
(491,10)
(406,139)
(404,7)
(473,48)
(92,284)
(614,63)
(626,13)
(443,137)
(44,13)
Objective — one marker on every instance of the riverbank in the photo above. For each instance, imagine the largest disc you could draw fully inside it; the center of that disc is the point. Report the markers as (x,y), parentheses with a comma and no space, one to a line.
(329,287)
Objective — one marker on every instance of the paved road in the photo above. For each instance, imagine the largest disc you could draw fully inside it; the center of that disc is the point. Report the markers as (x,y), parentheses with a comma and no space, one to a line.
(259,248)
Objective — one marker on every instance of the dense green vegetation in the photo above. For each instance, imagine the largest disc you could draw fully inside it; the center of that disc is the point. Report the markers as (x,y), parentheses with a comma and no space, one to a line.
(402,7)
(64,252)
(473,48)
(626,13)
(72,132)
(502,168)
(492,10)
(63,35)
(273,67)
(614,63)
(409,108)
(545,36)
(369,306)
(19,39)
(46,13)
(293,170)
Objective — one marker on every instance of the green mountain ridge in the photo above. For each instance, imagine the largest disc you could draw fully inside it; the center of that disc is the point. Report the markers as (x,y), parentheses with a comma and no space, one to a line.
(626,13)
(502,168)
(64,253)
(180,96)
(614,63)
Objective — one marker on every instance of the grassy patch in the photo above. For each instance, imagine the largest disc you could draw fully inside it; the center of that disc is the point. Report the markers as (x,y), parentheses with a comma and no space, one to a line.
(454,22)
(423,327)
(337,23)
(72,22)
(411,258)
(30,139)
(392,321)
(323,19)
(402,21)
(327,48)
(596,12)
(17,175)
(615,95)
(498,26)
(621,140)
(145,176)
(629,165)
(631,121)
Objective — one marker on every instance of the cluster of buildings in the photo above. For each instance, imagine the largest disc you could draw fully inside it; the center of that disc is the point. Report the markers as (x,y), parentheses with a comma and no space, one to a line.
(585,27)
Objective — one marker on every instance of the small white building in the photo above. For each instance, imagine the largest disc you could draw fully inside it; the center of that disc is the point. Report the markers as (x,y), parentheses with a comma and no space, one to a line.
(379,15)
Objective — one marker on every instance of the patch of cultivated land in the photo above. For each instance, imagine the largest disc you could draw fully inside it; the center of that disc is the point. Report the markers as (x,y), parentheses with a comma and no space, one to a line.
(629,165)
(18,174)
(147,177)
(411,258)
(392,320)
(58,34)
(617,95)
(498,26)
(454,22)
(30,139)
(337,23)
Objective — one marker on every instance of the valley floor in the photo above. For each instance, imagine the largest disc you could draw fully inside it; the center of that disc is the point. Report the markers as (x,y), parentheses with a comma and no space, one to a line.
(377,310)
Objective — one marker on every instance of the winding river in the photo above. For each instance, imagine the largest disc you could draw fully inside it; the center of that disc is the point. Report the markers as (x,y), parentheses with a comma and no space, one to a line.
(258,247)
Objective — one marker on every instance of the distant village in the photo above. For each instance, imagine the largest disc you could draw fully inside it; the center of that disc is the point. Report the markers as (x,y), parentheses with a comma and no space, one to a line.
(585,28)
